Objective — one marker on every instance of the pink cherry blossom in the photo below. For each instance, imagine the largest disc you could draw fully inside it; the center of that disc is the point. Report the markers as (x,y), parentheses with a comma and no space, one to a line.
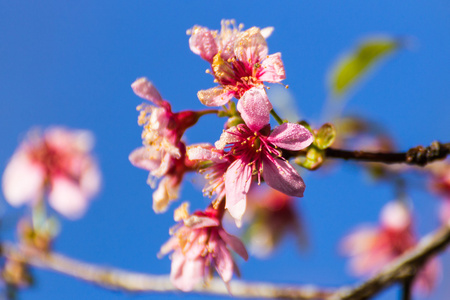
(255,150)
(54,164)
(238,59)
(214,164)
(198,246)
(371,248)
(163,152)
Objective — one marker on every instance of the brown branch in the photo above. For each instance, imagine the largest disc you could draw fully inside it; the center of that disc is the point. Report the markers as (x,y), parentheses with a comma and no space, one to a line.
(403,268)
(419,155)
(398,271)
(117,279)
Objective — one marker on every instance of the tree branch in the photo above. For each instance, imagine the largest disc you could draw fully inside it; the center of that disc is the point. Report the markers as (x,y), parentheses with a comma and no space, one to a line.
(415,156)
(403,268)
(117,279)
(398,271)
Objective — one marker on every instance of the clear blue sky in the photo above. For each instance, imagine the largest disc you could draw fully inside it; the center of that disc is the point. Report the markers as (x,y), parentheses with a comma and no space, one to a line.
(72,64)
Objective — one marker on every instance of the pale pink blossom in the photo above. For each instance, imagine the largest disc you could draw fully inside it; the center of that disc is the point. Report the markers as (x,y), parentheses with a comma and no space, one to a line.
(200,245)
(214,163)
(256,150)
(372,247)
(54,164)
(163,152)
(239,61)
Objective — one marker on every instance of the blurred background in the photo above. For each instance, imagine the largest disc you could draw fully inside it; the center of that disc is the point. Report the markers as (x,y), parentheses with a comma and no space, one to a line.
(72,63)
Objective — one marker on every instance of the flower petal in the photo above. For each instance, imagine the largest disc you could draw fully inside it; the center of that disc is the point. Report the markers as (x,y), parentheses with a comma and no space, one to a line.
(237,184)
(255,107)
(185,274)
(204,152)
(234,243)
(145,89)
(227,137)
(280,175)
(223,261)
(203,43)
(272,69)
(215,96)
(291,136)
(267,31)
(23,180)
(67,198)
(251,46)
(164,194)
(144,158)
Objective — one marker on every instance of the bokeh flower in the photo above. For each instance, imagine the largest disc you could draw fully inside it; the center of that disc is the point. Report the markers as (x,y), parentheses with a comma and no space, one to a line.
(372,247)
(56,164)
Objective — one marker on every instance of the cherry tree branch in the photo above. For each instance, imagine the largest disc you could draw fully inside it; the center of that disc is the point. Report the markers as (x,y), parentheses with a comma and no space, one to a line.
(116,279)
(419,155)
(400,270)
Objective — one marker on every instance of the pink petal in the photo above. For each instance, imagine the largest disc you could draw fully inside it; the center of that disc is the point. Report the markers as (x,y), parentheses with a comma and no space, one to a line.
(67,198)
(223,261)
(272,69)
(360,241)
(90,180)
(234,243)
(164,194)
(280,175)
(291,136)
(215,96)
(23,180)
(237,183)
(255,108)
(251,46)
(267,31)
(142,158)
(203,43)
(396,215)
(197,222)
(204,152)
(428,276)
(145,89)
(227,137)
(185,274)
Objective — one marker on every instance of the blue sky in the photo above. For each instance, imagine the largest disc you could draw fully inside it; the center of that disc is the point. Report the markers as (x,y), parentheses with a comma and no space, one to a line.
(72,63)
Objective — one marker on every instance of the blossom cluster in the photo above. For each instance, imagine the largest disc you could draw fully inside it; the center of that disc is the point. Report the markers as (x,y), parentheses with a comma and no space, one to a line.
(248,151)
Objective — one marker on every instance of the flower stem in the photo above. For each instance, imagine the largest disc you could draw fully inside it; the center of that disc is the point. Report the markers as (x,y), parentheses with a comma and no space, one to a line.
(276,117)
(208,112)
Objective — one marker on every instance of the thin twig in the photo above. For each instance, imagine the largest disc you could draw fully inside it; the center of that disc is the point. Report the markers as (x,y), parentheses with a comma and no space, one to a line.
(419,155)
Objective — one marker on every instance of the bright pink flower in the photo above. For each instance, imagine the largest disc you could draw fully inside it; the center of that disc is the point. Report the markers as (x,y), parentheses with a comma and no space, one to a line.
(239,61)
(256,151)
(163,153)
(371,248)
(200,245)
(56,164)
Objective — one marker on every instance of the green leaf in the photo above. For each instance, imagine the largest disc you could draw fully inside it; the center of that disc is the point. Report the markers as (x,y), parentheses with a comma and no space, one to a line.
(352,66)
